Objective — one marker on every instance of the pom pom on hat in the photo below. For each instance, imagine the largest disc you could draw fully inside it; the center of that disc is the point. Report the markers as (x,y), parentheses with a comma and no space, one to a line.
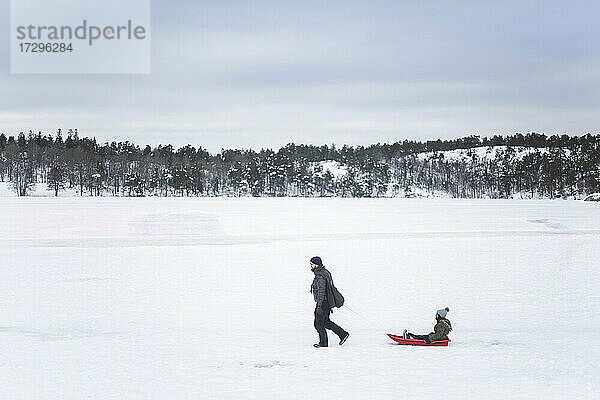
(443,312)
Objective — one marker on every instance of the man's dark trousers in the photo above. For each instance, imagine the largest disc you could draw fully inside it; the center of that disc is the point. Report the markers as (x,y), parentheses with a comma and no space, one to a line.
(323,322)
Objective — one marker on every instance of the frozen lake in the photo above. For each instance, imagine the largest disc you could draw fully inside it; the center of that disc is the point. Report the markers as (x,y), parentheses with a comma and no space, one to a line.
(125,298)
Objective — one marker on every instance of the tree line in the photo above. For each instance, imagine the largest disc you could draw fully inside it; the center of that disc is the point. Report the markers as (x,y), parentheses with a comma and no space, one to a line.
(530,165)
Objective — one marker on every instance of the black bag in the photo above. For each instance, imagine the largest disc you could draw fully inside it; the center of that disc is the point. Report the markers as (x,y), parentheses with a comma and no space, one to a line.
(335,298)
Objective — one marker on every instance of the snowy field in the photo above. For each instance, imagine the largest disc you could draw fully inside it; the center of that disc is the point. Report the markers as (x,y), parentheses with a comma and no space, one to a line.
(125,298)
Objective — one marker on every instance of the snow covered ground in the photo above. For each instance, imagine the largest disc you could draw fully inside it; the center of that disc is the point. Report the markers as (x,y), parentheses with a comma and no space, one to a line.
(485,153)
(129,298)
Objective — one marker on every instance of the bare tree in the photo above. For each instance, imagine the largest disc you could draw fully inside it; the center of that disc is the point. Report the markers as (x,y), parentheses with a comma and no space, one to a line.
(23,178)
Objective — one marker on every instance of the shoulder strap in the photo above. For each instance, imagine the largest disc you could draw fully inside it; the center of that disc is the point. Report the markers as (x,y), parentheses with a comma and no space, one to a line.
(327,275)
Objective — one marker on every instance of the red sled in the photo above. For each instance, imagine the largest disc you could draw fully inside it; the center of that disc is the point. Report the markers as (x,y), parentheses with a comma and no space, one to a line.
(418,342)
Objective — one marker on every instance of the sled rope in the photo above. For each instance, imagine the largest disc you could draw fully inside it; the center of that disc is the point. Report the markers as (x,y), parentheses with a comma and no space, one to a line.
(354,312)
(372,323)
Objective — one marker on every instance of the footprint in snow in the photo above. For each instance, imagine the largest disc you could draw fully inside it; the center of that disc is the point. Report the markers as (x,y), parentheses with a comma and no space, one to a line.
(272,364)
(548,224)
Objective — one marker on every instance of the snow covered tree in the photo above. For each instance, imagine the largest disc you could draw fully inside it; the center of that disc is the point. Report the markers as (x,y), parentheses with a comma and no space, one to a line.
(180,180)
(23,175)
(57,176)
(134,184)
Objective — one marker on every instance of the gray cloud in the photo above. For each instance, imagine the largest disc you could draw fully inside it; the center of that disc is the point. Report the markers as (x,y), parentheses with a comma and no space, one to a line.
(260,74)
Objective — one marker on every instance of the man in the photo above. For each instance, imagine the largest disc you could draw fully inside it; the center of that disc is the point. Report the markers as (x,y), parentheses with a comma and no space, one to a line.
(323,308)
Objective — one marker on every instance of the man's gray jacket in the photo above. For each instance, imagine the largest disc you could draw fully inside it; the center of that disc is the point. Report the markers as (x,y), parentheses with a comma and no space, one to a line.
(319,285)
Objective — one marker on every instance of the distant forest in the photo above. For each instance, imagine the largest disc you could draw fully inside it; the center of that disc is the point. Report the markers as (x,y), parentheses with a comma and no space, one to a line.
(553,166)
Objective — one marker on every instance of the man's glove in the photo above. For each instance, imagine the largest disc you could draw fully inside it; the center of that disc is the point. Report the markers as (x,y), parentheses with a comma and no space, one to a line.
(319,310)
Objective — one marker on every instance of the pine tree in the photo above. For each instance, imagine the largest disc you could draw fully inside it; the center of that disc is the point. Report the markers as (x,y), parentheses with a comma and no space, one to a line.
(57,176)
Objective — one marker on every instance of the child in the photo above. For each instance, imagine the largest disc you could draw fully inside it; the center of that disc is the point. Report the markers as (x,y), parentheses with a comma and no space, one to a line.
(440,331)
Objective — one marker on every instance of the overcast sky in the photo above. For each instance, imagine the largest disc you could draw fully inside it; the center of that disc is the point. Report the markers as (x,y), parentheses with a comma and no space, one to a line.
(264,73)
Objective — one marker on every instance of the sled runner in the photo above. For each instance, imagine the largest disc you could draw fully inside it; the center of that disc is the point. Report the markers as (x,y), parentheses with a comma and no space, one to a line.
(417,342)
